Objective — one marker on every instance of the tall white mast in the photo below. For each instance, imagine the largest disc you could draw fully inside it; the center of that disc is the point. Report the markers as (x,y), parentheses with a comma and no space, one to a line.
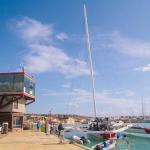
(143,108)
(90,60)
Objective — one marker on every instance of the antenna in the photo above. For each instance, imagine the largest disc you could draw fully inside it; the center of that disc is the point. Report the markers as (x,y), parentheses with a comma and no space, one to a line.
(22,67)
(90,59)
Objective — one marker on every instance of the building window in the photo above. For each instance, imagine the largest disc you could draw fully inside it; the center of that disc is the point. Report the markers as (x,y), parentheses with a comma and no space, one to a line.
(17,122)
(29,86)
(15,105)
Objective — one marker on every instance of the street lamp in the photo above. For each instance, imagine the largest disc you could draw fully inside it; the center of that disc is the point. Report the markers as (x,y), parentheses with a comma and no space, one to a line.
(50,115)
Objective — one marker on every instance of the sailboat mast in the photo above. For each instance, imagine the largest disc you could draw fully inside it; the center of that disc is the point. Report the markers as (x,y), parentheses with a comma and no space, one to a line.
(90,60)
(143,108)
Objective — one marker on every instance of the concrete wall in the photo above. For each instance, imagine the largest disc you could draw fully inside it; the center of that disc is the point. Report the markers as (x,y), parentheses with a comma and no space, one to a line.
(9,108)
(21,106)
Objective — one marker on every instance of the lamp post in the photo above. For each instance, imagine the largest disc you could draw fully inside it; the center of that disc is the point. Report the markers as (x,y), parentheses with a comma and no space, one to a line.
(50,115)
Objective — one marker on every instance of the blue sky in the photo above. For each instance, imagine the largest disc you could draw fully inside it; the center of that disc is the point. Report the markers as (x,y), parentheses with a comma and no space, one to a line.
(48,38)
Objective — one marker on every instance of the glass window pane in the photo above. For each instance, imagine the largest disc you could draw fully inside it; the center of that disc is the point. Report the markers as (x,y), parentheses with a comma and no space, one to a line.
(11,83)
(29,86)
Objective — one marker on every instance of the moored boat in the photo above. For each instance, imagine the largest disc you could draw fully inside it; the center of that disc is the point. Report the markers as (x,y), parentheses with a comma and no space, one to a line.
(136,129)
(80,140)
(100,128)
(147,130)
(105,129)
(108,135)
(106,145)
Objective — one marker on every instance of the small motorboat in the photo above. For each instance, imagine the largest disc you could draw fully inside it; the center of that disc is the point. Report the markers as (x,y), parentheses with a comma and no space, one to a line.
(77,139)
(80,140)
(106,145)
(136,129)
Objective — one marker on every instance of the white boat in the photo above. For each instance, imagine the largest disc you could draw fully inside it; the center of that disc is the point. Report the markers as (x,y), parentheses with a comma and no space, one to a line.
(113,131)
(77,139)
(143,135)
(107,130)
(106,145)
(139,129)
(80,140)
(136,129)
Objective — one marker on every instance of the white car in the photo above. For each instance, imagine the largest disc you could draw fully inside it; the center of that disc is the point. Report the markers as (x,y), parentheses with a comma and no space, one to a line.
(0,128)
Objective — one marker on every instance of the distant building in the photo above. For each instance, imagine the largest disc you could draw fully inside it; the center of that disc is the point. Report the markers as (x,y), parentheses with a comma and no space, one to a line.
(70,120)
(17,89)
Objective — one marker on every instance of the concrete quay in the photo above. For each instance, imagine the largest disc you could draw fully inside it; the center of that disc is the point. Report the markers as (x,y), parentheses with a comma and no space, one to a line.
(30,140)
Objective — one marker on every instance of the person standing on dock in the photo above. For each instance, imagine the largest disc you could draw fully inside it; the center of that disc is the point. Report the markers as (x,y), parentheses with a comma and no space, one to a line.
(38,125)
(47,127)
(51,128)
(60,133)
(60,128)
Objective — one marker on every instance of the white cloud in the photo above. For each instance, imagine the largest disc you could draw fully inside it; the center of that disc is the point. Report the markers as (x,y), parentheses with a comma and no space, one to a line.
(118,102)
(33,30)
(62,36)
(124,92)
(43,56)
(74,92)
(130,46)
(143,68)
(67,85)
(72,104)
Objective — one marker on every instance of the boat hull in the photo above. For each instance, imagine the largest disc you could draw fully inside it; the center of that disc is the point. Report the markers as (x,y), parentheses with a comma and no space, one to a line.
(114,131)
(147,130)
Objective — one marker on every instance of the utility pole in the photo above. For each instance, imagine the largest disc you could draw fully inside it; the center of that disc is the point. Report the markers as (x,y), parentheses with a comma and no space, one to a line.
(50,115)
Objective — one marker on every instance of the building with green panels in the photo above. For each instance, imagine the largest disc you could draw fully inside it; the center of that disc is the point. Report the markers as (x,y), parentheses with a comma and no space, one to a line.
(17,90)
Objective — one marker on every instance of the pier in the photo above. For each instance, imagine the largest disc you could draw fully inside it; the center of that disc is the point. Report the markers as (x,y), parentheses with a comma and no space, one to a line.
(29,140)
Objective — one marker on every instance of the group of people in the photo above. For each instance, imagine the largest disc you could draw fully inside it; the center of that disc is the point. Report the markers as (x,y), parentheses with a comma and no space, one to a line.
(59,131)
(97,126)
(52,129)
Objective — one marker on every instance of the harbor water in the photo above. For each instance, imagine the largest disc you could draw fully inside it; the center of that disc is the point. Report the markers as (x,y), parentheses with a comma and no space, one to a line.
(136,141)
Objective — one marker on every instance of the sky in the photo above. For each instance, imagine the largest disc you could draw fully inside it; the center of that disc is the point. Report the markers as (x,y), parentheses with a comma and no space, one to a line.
(48,38)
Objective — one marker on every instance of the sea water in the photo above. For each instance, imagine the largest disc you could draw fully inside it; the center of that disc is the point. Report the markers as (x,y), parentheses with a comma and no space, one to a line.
(136,141)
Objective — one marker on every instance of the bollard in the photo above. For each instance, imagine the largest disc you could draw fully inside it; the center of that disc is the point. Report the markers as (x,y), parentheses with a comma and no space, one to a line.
(5,128)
